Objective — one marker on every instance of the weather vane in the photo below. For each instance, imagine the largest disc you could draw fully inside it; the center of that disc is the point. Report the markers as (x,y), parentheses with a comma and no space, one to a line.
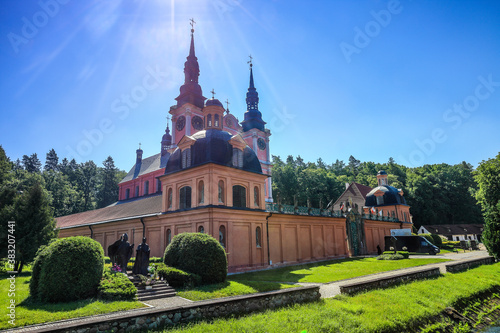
(213,93)
(192,23)
(250,61)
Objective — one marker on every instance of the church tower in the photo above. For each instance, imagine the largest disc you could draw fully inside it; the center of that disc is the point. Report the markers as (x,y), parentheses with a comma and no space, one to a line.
(187,115)
(255,134)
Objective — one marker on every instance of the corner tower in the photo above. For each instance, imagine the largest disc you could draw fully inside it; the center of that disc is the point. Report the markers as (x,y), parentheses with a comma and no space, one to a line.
(255,134)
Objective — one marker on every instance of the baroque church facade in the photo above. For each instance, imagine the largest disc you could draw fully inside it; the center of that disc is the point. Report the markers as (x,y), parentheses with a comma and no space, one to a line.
(213,175)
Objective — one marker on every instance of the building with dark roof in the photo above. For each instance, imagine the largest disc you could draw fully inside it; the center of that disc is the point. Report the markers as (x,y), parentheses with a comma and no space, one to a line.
(212,175)
(454,232)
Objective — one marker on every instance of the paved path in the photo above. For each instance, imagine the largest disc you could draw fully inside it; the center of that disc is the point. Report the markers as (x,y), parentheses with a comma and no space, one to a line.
(327,290)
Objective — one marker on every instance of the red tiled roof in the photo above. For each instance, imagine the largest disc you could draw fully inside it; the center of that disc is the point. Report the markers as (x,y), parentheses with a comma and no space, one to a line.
(363,189)
(135,208)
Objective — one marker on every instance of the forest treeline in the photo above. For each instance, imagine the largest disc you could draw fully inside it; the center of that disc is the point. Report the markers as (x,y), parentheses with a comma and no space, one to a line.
(71,187)
(437,194)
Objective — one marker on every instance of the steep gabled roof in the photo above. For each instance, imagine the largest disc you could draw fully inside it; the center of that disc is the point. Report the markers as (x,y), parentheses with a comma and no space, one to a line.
(143,206)
(147,165)
(455,229)
(363,190)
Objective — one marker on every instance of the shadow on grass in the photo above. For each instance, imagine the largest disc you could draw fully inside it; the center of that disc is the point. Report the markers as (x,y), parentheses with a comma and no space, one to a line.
(32,304)
(287,274)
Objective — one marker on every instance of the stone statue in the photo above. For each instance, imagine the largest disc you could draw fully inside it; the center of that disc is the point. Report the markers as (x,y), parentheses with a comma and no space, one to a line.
(142,258)
(120,252)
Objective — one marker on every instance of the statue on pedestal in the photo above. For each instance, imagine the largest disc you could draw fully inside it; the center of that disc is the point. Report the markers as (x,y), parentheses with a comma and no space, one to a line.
(120,252)
(142,258)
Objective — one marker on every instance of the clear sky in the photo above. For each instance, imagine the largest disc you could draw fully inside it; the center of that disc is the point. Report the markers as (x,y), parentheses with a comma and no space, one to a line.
(418,81)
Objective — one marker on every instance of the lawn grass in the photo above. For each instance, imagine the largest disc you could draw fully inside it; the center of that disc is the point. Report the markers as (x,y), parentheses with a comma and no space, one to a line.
(28,312)
(396,309)
(230,288)
(333,270)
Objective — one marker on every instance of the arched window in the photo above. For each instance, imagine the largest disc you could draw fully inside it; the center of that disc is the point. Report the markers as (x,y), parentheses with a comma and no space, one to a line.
(185,197)
(237,158)
(209,120)
(216,120)
(201,192)
(169,198)
(405,216)
(258,235)
(137,191)
(222,236)
(221,191)
(186,158)
(169,236)
(127,193)
(158,185)
(239,196)
(380,200)
(201,229)
(146,187)
(256,196)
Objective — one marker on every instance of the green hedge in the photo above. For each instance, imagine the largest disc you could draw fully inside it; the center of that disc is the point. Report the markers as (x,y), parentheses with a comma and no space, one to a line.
(69,269)
(116,286)
(390,256)
(178,278)
(199,254)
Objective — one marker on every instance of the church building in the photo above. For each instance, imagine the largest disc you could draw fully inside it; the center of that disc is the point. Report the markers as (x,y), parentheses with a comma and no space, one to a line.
(213,175)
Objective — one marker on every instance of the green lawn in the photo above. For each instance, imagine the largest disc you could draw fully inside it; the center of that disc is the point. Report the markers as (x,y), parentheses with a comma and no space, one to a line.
(230,288)
(28,313)
(390,310)
(334,270)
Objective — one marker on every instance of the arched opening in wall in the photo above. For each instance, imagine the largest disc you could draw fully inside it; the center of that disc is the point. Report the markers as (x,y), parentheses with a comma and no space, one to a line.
(185,197)
(201,192)
(258,237)
(237,158)
(209,120)
(158,185)
(256,196)
(239,196)
(201,229)
(127,193)
(146,187)
(405,216)
(169,236)
(186,158)
(169,198)
(136,191)
(221,191)
(216,120)
(222,236)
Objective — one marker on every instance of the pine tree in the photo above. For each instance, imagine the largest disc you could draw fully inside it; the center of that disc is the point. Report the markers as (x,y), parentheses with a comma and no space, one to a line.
(32,163)
(35,224)
(51,161)
(86,180)
(108,187)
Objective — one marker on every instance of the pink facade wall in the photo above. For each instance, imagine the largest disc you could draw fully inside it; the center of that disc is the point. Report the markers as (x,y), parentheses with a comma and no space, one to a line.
(140,181)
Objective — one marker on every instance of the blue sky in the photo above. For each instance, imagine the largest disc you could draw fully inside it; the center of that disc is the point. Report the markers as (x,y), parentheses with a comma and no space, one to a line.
(418,81)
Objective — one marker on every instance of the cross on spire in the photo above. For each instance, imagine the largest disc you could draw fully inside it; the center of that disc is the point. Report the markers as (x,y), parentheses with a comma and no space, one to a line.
(213,93)
(139,145)
(227,105)
(168,120)
(250,61)
(192,23)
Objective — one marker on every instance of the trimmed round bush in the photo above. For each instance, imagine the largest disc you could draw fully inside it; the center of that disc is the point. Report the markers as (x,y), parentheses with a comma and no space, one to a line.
(42,253)
(71,269)
(116,286)
(199,254)
(178,278)
(436,240)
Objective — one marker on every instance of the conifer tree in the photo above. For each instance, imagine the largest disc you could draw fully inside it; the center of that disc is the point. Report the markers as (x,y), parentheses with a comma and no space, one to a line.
(51,161)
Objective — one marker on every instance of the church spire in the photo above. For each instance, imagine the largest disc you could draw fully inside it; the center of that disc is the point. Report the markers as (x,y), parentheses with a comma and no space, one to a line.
(190,91)
(253,117)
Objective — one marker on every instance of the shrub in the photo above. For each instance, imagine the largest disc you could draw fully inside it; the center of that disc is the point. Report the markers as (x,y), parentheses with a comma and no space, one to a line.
(116,286)
(178,278)
(390,256)
(42,253)
(437,240)
(405,254)
(71,269)
(198,253)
